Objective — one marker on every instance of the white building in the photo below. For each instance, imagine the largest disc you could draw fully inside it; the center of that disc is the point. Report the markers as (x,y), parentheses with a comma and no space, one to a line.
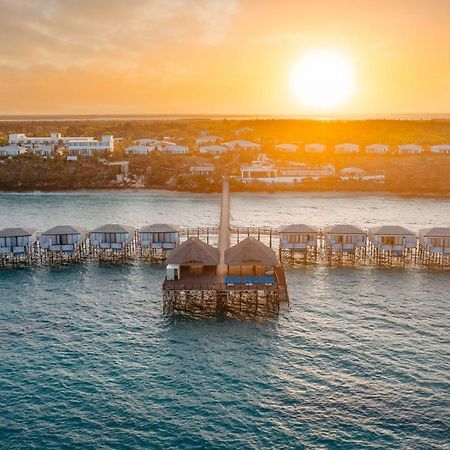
(290,148)
(204,140)
(352,173)
(377,149)
(203,169)
(315,148)
(22,139)
(442,149)
(139,149)
(89,146)
(173,149)
(213,149)
(300,171)
(242,145)
(12,150)
(346,148)
(410,149)
(243,130)
(43,149)
(262,168)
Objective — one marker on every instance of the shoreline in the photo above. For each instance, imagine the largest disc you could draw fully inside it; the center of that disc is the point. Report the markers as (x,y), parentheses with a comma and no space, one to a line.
(348,193)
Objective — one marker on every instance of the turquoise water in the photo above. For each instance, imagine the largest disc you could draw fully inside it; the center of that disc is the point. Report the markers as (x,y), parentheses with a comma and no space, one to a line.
(361,358)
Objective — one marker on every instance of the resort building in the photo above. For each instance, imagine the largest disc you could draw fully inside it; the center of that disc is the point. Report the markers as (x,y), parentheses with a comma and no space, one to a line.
(352,173)
(43,149)
(294,172)
(205,140)
(252,259)
(443,149)
(243,130)
(16,241)
(151,142)
(213,149)
(410,149)
(204,169)
(263,168)
(173,149)
(27,141)
(435,239)
(12,150)
(392,237)
(288,148)
(89,146)
(298,237)
(194,262)
(111,236)
(344,237)
(64,238)
(377,149)
(315,148)
(140,150)
(158,236)
(242,145)
(346,148)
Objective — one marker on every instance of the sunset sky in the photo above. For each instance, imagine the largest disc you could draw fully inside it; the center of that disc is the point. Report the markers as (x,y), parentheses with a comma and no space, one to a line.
(219,57)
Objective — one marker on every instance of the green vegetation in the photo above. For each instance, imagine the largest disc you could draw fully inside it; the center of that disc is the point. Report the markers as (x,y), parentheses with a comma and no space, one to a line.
(418,174)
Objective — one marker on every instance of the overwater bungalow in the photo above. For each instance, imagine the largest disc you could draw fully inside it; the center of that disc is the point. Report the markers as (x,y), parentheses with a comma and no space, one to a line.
(252,260)
(158,236)
(434,246)
(344,241)
(16,241)
(388,243)
(111,236)
(392,237)
(435,239)
(62,238)
(193,262)
(345,237)
(298,238)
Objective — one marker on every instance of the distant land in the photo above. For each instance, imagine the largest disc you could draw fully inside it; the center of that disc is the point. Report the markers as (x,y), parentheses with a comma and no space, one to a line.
(75,117)
(259,155)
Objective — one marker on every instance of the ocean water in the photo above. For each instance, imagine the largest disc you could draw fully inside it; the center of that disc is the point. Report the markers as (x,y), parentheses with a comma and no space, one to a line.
(360,359)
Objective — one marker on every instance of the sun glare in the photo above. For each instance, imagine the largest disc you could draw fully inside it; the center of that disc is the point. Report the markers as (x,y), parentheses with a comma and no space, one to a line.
(323,79)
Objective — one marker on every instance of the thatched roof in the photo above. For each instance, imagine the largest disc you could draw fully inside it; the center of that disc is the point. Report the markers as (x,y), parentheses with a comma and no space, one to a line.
(159,228)
(390,230)
(17,231)
(297,228)
(344,229)
(65,229)
(435,232)
(113,228)
(250,252)
(194,251)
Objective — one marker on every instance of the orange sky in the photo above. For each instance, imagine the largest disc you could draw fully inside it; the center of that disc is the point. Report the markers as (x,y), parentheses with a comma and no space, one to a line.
(217,56)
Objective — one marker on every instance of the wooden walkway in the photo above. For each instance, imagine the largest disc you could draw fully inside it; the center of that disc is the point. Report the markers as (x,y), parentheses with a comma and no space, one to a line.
(224,230)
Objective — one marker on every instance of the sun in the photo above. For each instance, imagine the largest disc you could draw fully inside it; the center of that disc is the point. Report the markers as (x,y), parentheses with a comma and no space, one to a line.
(323,79)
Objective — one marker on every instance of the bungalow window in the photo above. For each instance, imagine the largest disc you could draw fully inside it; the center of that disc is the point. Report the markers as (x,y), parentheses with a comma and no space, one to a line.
(388,240)
(110,238)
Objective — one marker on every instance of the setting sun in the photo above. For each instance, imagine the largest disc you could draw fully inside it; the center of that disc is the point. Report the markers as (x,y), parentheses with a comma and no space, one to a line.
(323,79)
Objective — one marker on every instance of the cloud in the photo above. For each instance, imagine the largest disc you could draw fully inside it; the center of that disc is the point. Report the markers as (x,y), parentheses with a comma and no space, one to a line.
(65,33)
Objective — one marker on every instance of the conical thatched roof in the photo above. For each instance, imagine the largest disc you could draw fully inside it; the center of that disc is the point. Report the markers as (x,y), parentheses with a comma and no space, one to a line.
(194,251)
(250,252)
